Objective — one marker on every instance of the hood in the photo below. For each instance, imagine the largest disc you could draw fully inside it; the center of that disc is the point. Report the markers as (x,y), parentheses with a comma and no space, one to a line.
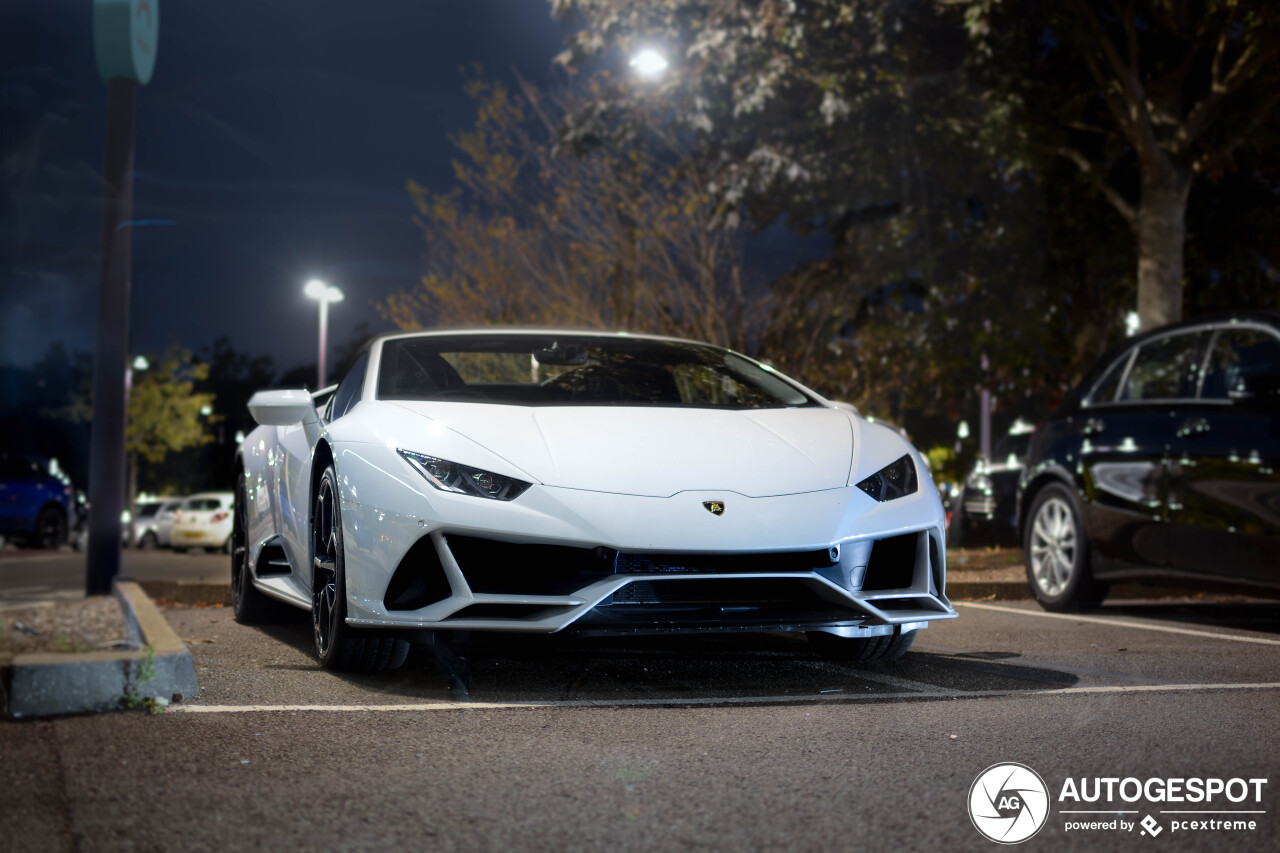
(659,452)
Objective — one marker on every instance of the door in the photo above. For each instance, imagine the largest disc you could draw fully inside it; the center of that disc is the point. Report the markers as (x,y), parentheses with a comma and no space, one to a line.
(1124,444)
(1224,471)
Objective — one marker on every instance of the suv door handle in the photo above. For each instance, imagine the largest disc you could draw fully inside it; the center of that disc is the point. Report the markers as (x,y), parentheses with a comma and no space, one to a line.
(1193,428)
(1093,426)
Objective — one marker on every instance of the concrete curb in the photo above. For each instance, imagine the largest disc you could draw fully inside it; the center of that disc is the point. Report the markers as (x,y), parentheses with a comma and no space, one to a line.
(41,685)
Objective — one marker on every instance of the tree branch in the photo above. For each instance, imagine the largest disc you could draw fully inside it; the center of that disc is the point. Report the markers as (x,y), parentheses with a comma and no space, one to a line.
(1109,192)
(1138,120)
(1221,154)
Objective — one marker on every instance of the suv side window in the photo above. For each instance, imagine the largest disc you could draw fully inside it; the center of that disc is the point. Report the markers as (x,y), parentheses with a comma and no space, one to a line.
(1164,369)
(1239,362)
(1105,391)
(348,393)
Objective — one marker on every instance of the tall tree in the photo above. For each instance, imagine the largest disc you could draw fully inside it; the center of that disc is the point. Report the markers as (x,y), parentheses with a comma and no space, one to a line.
(165,414)
(1148,98)
(620,239)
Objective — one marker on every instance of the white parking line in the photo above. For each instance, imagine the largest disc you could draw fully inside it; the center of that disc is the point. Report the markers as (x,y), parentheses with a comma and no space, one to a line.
(714,700)
(1120,623)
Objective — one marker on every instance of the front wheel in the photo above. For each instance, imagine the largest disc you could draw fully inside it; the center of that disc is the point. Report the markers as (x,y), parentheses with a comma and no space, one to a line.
(863,651)
(51,528)
(248,604)
(339,646)
(1057,553)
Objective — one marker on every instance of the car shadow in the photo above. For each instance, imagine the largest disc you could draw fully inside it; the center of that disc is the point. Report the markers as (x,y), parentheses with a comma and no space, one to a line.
(738,668)
(1249,615)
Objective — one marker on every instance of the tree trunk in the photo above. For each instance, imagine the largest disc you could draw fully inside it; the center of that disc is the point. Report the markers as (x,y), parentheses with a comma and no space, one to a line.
(1162,232)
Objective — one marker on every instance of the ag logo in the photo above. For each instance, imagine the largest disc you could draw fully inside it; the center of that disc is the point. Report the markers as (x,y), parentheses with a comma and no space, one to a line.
(714,507)
(1008,803)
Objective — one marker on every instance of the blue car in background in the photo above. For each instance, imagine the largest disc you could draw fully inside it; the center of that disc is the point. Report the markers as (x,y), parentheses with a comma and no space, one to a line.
(37,501)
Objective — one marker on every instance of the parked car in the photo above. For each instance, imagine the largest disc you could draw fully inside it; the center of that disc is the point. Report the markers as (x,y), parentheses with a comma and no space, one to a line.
(203,521)
(153,522)
(37,501)
(1164,464)
(538,481)
(987,506)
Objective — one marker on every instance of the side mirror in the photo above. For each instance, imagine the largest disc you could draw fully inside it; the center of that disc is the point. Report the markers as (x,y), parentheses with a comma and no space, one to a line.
(283,408)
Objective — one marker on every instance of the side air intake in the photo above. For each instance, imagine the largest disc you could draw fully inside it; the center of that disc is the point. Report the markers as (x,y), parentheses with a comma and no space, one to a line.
(419,580)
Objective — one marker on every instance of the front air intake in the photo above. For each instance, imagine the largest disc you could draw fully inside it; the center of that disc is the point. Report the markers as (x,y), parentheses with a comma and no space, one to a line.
(892,564)
(419,580)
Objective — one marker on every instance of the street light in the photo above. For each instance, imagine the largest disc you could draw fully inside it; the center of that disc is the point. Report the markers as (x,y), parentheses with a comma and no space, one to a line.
(324,294)
(649,63)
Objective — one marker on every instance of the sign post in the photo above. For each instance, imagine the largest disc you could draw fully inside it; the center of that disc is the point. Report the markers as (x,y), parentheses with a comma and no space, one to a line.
(125,35)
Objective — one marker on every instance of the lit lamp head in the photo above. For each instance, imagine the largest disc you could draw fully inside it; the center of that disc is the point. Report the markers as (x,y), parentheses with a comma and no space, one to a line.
(649,63)
(321,292)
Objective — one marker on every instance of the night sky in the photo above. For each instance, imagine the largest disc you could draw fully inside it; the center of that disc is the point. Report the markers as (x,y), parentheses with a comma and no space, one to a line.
(277,137)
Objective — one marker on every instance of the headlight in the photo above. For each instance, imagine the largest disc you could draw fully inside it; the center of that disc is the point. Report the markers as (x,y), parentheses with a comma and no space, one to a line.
(978,481)
(451,477)
(893,481)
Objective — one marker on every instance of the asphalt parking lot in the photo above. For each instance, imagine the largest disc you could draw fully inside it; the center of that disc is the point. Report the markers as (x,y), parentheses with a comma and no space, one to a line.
(735,742)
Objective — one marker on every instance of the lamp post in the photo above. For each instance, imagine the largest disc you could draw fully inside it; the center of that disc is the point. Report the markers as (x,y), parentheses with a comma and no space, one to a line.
(324,294)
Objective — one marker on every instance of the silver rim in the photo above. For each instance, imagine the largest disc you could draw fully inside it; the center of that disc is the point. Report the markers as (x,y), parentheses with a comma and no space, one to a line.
(324,575)
(1053,546)
(237,544)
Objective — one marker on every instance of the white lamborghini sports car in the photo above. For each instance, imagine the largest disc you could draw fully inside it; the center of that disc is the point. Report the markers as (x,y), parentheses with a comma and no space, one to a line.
(544,480)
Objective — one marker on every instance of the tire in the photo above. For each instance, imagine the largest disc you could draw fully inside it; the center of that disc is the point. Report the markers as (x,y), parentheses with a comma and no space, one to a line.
(339,646)
(51,528)
(149,541)
(863,651)
(1057,553)
(249,605)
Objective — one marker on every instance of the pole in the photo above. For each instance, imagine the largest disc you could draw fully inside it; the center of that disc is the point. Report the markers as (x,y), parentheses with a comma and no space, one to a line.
(985,425)
(110,360)
(324,330)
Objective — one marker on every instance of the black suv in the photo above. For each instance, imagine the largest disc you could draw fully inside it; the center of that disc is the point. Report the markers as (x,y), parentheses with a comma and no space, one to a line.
(1163,464)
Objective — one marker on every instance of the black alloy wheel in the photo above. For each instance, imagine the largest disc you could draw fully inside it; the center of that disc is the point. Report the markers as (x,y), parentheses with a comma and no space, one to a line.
(339,646)
(247,603)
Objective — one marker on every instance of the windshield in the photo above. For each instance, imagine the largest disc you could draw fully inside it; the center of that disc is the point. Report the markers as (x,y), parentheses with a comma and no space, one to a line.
(531,370)
(1011,449)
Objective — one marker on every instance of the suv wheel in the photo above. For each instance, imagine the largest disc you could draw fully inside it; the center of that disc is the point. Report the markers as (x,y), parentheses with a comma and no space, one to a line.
(1057,553)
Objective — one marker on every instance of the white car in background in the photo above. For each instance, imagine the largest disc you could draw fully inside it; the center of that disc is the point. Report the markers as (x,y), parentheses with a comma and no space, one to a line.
(153,522)
(203,521)
(545,480)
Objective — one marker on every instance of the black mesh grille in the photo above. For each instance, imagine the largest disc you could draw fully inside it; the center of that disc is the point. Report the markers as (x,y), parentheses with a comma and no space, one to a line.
(511,569)
(796,561)
(721,593)
(892,564)
(419,579)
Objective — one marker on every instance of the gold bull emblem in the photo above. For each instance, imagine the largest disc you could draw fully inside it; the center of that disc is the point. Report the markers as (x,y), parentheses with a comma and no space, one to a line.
(714,507)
